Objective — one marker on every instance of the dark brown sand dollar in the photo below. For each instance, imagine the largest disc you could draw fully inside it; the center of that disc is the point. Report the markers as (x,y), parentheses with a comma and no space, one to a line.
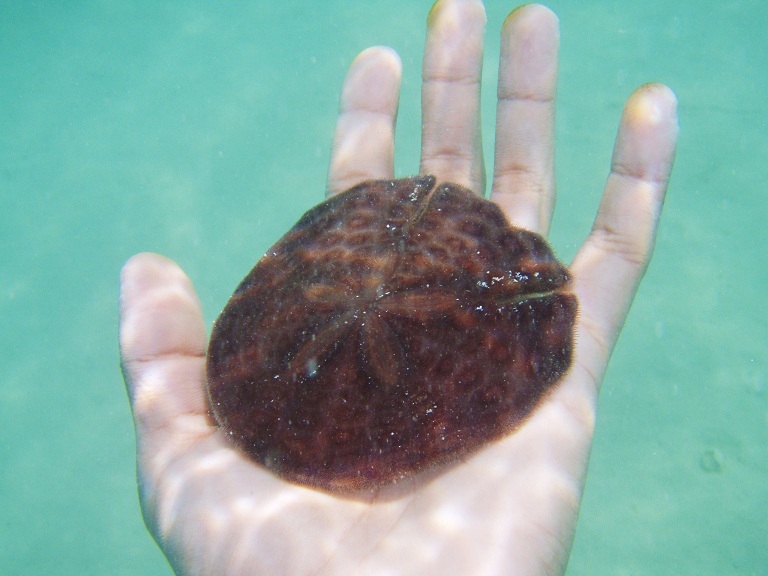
(396,327)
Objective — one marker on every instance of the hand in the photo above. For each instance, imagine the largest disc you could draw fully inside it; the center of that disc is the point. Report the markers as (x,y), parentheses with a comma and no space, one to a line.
(512,507)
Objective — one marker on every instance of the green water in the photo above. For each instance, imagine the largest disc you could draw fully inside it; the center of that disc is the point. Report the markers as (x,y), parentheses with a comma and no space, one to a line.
(202,131)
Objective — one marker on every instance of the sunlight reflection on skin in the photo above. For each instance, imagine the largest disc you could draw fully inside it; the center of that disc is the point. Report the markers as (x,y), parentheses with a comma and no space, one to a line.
(273,510)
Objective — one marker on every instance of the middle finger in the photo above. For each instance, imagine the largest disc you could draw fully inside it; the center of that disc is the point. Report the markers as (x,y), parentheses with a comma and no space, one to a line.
(451,145)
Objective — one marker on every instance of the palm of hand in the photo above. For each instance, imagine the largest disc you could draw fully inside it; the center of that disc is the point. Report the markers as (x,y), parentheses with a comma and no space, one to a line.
(511,507)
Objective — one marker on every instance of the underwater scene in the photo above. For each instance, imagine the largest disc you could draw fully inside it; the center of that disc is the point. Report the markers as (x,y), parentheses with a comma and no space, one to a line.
(204,131)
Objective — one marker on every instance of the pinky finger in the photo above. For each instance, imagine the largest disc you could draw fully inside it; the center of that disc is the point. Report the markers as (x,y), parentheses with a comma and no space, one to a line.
(613,259)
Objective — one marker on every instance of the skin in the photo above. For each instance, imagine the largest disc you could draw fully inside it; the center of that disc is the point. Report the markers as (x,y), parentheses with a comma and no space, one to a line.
(510,508)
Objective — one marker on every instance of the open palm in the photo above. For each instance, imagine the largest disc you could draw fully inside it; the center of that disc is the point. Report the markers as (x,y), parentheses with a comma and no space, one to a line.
(510,508)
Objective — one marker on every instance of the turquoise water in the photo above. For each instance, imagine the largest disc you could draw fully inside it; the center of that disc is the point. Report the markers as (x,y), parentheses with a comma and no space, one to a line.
(202,131)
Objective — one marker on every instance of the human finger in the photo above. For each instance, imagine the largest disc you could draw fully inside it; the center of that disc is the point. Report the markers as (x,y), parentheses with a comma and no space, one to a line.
(613,259)
(364,140)
(523,174)
(451,145)
(162,347)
